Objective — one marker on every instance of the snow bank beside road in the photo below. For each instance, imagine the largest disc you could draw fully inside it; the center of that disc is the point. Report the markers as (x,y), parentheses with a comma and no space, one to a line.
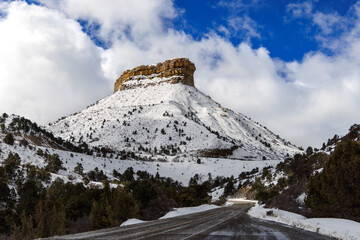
(188,210)
(177,212)
(332,227)
(131,222)
(241,200)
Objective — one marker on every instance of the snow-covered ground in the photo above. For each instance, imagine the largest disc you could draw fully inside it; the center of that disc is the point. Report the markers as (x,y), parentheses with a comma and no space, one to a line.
(332,227)
(216,193)
(180,170)
(176,213)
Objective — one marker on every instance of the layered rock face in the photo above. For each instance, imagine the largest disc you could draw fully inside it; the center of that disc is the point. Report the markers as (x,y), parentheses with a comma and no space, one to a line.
(178,70)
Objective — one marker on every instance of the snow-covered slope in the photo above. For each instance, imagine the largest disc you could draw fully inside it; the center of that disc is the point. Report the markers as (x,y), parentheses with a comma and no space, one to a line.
(27,144)
(170,119)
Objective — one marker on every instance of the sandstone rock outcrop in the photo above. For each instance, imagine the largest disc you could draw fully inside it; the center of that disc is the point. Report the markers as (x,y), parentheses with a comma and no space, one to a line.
(178,70)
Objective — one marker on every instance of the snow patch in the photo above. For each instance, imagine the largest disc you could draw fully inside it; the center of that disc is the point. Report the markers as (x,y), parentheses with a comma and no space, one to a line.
(131,222)
(217,193)
(241,200)
(175,213)
(301,199)
(188,210)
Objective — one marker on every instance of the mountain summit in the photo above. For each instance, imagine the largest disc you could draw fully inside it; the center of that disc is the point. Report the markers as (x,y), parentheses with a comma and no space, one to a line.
(156,112)
(178,70)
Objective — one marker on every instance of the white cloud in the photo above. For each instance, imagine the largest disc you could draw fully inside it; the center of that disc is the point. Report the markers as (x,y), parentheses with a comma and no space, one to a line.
(300,10)
(327,22)
(48,66)
(238,23)
(326,25)
(119,18)
(244,27)
(235,6)
(52,68)
(238,6)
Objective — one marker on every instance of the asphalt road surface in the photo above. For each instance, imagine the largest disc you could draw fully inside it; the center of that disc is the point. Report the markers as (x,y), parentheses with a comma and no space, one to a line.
(222,223)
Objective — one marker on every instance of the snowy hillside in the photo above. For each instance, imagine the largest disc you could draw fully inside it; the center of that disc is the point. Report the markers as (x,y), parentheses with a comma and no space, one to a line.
(33,147)
(170,119)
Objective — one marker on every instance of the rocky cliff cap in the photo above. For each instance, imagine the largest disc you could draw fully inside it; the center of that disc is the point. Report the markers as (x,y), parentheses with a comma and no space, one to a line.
(178,70)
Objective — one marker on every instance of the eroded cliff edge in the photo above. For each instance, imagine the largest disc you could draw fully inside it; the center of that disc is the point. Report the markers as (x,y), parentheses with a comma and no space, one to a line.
(178,70)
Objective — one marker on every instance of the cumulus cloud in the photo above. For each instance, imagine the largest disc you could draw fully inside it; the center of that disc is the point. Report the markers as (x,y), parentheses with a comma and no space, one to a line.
(48,66)
(119,18)
(332,81)
(52,68)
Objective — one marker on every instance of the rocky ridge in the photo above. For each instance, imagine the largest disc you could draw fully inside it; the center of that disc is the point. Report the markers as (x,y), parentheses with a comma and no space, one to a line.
(178,70)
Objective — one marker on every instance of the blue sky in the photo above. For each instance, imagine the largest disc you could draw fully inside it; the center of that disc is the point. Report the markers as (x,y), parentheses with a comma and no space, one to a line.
(272,22)
(294,66)
(285,37)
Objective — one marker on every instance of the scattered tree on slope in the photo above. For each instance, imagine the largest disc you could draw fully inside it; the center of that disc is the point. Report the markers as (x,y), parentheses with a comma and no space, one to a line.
(335,192)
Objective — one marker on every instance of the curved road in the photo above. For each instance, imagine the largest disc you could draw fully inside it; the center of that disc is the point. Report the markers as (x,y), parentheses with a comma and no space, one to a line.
(222,223)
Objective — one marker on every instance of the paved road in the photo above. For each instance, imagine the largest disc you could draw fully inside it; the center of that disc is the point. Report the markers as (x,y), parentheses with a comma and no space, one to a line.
(222,223)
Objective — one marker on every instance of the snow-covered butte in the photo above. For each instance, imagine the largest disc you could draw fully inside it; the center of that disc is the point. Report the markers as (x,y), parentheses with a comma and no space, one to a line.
(163,118)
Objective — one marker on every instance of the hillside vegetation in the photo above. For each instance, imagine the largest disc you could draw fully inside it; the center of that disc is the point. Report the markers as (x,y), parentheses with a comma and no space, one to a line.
(38,200)
(318,183)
